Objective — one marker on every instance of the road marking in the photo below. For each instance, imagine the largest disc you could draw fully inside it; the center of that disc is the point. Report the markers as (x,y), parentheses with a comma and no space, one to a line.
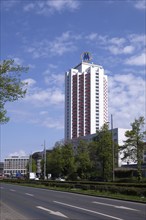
(52,212)
(12,190)
(1,187)
(115,206)
(28,194)
(88,210)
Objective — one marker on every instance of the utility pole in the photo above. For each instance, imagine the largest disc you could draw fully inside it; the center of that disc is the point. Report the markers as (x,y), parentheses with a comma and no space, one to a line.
(113,150)
(44,160)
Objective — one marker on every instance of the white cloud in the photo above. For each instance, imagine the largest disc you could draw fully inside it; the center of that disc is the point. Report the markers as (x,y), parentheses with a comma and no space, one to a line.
(117,41)
(60,45)
(126,98)
(57,123)
(68,42)
(91,36)
(53,94)
(29,7)
(128,49)
(46,97)
(54,80)
(121,50)
(17,60)
(18,153)
(62,4)
(43,113)
(140,4)
(50,6)
(137,60)
(30,82)
(63,43)
(47,121)
(135,38)
(30,114)
(31,66)
(59,48)
(126,45)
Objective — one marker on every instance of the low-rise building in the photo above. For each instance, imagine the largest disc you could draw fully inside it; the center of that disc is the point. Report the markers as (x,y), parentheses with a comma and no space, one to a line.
(15,164)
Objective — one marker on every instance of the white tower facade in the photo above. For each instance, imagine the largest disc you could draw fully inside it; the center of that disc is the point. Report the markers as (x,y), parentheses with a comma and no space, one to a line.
(86,100)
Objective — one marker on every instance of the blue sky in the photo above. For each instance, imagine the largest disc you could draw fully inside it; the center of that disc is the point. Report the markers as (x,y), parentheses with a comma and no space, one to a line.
(49,37)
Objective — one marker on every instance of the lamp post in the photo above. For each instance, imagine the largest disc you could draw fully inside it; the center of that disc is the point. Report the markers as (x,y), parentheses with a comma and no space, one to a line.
(113,150)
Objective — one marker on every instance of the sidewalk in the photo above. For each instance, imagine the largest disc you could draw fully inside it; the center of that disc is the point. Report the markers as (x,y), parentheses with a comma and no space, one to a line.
(7,213)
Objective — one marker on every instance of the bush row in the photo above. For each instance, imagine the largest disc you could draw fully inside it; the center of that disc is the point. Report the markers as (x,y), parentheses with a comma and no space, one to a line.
(134,190)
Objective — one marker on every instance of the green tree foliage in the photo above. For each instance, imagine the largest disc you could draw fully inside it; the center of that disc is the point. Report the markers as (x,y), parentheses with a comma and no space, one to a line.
(68,161)
(105,151)
(94,159)
(61,161)
(91,159)
(134,145)
(54,162)
(11,86)
(83,162)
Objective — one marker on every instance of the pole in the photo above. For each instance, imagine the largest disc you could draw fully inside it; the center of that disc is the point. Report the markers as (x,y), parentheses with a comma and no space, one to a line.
(44,160)
(113,150)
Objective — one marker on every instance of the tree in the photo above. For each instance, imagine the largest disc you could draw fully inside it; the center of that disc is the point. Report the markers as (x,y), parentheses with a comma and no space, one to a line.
(11,86)
(83,162)
(94,158)
(105,151)
(134,145)
(54,162)
(68,161)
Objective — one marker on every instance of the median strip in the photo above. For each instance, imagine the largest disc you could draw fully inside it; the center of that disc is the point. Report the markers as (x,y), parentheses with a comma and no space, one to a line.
(88,210)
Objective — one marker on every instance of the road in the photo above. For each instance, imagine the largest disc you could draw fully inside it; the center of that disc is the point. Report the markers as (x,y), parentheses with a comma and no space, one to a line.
(43,204)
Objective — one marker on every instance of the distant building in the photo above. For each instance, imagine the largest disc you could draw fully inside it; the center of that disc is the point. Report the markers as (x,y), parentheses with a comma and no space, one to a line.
(86,99)
(15,164)
(119,138)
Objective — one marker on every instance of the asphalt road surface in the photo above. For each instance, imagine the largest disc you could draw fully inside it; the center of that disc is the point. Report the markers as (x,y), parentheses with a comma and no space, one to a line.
(27,203)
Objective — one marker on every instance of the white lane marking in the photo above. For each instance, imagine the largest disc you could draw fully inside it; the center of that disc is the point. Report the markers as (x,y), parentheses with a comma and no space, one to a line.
(12,190)
(115,206)
(52,212)
(88,210)
(1,187)
(28,194)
